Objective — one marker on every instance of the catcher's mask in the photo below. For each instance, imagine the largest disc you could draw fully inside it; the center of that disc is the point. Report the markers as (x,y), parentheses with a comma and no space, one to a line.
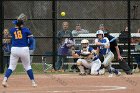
(84,43)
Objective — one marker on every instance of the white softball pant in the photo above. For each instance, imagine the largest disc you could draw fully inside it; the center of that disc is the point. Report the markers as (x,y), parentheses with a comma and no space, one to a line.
(94,65)
(108,59)
(23,54)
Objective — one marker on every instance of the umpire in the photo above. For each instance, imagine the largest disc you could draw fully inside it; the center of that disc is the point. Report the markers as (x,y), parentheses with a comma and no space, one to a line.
(115,49)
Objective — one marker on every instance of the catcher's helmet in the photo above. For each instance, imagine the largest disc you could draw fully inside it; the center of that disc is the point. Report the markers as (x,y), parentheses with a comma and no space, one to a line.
(100,32)
(84,41)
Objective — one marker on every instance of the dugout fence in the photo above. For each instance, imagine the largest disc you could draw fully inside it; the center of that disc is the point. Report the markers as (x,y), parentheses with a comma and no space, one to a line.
(45,21)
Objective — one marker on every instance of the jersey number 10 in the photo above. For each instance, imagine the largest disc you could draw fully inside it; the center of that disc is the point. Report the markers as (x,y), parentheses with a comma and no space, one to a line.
(18,34)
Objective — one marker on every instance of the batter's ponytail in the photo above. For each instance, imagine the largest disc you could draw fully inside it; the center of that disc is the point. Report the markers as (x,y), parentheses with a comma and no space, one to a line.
(19,23)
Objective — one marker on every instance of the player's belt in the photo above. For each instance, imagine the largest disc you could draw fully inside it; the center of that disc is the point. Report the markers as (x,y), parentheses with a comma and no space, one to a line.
(107,53)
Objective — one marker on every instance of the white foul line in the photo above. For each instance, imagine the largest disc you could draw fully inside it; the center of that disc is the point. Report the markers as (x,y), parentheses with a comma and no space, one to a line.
(102,88)
(109,88)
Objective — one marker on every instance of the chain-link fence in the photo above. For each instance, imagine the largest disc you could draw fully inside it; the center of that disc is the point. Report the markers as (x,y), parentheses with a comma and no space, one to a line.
(114,14)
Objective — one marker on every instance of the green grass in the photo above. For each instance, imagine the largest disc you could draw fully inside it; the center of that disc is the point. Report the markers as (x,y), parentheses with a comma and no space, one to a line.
(37,69)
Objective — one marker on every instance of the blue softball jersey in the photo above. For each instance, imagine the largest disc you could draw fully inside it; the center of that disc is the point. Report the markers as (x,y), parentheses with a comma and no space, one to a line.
(20,37)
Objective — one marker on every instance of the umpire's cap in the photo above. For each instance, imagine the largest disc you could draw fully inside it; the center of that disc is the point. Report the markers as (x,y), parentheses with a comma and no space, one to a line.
(106,33)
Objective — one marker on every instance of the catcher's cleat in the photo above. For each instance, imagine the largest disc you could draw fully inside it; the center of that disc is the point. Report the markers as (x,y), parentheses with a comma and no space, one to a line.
(102,71)
(82,74)
(4,84)
(88,71)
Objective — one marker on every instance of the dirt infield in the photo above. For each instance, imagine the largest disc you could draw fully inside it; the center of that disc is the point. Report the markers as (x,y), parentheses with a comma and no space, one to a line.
(73,83)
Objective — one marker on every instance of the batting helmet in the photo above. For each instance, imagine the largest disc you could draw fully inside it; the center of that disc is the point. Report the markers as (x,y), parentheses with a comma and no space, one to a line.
(100,32)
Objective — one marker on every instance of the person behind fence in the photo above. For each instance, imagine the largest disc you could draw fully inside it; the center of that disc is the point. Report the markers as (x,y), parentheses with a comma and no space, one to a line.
(123,37)
(20,50)
(65,42)
(103,47)
(102,27)
(78,30)
(117,54)
(87,58)
(6,46)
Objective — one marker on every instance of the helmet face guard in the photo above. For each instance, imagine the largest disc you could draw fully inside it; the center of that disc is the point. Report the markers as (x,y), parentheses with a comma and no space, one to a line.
(84,45)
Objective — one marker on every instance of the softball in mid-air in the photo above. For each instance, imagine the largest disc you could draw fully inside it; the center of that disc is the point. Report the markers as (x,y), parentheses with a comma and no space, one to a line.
(63,13)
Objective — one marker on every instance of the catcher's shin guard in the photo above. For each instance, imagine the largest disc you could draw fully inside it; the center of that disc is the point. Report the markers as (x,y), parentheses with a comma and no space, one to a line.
(79,63)
(81,68)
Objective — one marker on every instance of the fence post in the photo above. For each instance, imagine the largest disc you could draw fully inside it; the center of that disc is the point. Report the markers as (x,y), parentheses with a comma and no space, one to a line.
(129,32)
(54,24)
(1,36)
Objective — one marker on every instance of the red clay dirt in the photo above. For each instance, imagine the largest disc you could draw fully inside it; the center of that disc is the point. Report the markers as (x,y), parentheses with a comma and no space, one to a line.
(73,83)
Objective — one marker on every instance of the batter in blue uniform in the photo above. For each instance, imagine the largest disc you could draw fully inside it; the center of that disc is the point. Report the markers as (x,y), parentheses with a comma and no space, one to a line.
(20,49)
(104,49)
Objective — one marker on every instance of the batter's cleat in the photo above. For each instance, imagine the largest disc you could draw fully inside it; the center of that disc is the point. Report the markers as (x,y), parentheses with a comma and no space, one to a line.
(102,71)
(117,72)
(82,74)
(34,84)
(4,84)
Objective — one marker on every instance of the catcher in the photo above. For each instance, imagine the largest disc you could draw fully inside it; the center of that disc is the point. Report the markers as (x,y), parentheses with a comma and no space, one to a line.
(88,58)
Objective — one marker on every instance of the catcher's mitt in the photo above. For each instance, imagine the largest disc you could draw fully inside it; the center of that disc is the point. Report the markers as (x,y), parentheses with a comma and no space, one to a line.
(84,55)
